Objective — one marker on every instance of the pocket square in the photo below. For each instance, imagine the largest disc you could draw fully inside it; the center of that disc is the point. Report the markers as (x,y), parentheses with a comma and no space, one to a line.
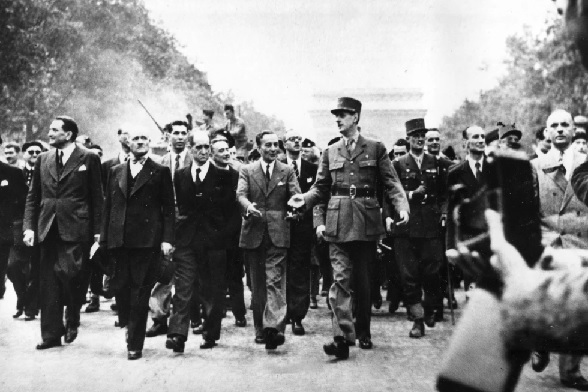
(82,168)
(4,183)
(280,183)
(309,179)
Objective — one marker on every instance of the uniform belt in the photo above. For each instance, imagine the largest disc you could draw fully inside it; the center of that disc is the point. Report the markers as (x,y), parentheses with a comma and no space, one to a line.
(352,191)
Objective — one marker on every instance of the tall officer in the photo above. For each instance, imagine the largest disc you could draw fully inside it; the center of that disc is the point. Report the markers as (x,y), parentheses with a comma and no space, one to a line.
(349,172)
(419,246)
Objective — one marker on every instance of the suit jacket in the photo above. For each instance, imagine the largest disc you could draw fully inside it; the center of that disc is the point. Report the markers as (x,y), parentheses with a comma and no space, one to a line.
(368,166)
(425,211)
(306,179)
(203,219)
(461,174)
(235,220)
(563,215)
(73,199)
(106,166)
(166,160)
(13,194)
(143,218)
(271,201)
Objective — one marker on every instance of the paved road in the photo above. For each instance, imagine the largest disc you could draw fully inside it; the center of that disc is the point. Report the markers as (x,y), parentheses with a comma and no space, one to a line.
(96,361)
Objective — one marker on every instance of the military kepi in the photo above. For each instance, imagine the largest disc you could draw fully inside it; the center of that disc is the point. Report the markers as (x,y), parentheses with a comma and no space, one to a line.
(347,104)
(414,125)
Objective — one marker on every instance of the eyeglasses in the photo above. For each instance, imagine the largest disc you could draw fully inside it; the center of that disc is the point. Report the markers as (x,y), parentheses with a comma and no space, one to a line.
(34,152)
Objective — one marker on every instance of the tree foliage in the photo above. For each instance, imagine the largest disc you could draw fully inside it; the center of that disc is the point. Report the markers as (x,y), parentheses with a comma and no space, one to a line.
(92,59)
(544,72)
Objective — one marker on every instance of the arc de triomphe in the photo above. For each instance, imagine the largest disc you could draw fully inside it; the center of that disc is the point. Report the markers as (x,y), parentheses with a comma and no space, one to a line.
(383,113)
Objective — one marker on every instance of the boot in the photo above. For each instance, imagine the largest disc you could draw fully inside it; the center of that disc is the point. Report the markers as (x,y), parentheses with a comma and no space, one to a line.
(418,329)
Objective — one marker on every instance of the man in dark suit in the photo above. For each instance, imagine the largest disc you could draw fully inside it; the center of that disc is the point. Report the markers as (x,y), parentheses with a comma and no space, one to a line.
(263,192)
(202,194)
(471,176)
(301,237)
(177,158)
(63,214)
(221,157)
(348,177)
(13,193)
(23,264)
(419,245)
(138,227)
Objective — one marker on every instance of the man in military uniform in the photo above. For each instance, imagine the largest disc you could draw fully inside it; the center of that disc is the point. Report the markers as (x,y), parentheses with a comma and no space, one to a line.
(419,248)
(349,172)
(207,116)
(236,127)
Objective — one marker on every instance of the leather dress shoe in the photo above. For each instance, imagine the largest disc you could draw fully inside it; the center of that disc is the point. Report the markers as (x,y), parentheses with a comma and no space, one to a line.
(430,320)
(207,343)
(580,383)
(195,324)
(313,303)
(30,317)
(324,293)
(393,307)
(175,343)
(45,344)
(70,335)
(94,306)
(158,328)
(114,307)
(260,339)
(273,339)
(18,313)
(198,330)
(366,344)
(338,348)
(350,343)
(418,329)
(539,360)
(297,328)
(132,355)
(439,317)
(242,322)
(377,303)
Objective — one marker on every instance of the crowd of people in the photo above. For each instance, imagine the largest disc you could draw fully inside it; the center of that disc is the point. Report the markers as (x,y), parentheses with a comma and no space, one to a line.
(172,237)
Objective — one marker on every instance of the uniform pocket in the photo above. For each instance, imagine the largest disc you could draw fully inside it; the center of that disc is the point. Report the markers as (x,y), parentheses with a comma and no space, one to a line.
(373,217)
(332,221)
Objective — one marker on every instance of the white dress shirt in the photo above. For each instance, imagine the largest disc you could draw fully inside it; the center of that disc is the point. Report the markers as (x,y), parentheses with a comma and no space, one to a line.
(203,171)
(67,151)
(137,166)
(264,167)
(418,159)
(472,162)
(298,163)
(181,161)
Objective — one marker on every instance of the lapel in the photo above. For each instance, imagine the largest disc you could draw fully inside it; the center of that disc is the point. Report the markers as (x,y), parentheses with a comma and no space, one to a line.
(359,147)
(123,180)
(340,145)
(51,164)
(188,159)
(277,175)
(569,191)
(143,176)
(411,163)
(468,177)
(258,175)
(72,163)
(550,169)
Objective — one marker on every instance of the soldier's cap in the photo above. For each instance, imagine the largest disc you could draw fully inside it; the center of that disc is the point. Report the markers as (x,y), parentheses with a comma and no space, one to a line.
(225,134)
(334,140)
(347,104)
(581,121)
(507,130)
(492,136)
(307,143)
(415,125)
(580,135)
(31,144)
(229,107)
(208,113)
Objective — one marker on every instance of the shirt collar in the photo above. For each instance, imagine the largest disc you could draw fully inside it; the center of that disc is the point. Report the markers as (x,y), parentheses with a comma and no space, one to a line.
(354,138)
(472,162)
(181,154)
(67,151)
(298,161)
(123,155)
(203,170)
(264,166)
(141,161)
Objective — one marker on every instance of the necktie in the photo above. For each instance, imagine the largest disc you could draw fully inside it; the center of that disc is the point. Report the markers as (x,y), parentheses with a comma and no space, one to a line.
(295,165)
(177,166)
(267,175)
(350,146)
(59,160)
(198,181)
(478,172)
(126,157)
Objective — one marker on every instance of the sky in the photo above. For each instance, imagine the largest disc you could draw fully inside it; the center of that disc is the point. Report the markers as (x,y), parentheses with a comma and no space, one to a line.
(278,53)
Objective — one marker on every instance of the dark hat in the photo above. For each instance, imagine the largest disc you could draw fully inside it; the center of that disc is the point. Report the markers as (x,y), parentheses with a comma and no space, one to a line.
(253,155)
(347,104)
(492,136)
(307,143)
(208,113)
(507,130)
(229,107)
(33,143)
(581,121)
(334,140)
(414,125)
(226,134)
